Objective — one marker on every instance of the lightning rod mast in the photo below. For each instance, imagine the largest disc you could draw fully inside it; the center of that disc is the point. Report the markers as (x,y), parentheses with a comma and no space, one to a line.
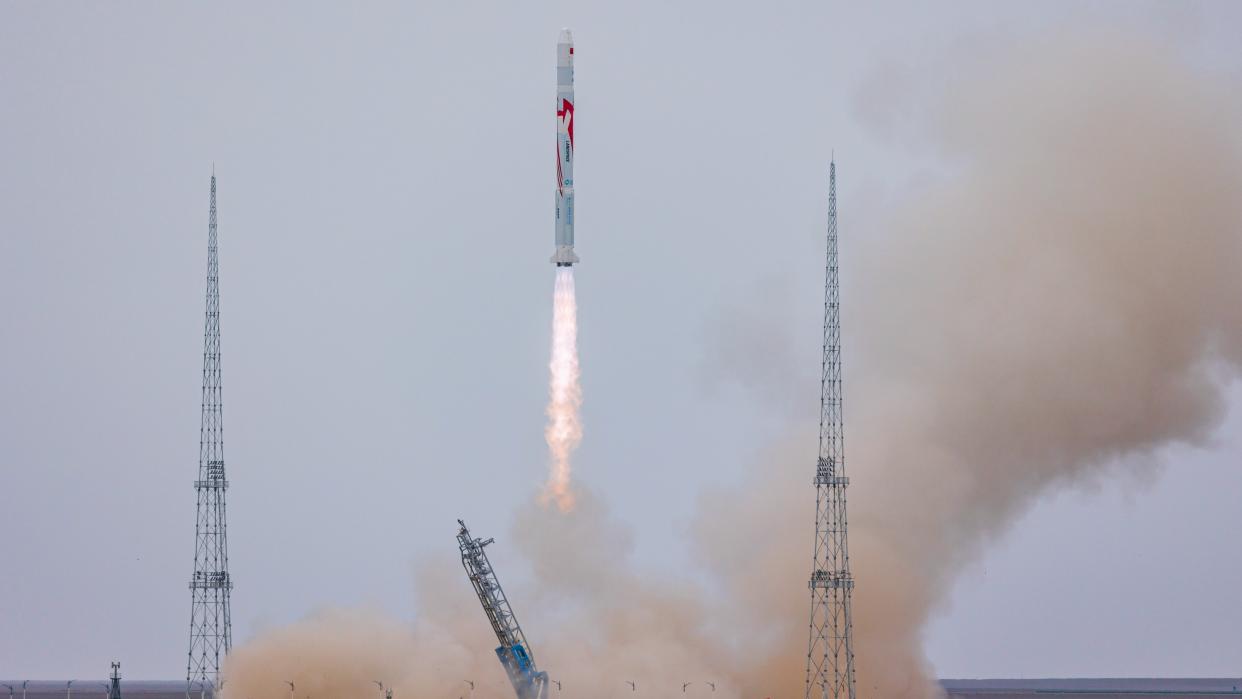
(211,630)
(830,652)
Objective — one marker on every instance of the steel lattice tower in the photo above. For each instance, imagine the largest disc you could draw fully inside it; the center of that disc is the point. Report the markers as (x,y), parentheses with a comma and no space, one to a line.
(830,651)
(211,631)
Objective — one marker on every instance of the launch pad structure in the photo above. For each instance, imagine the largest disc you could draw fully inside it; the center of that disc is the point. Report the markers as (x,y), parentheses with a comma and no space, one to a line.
(514,650)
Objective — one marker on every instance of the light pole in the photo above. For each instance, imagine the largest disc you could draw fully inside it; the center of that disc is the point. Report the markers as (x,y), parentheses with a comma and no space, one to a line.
(10,689)
(290,689)
(633,687)
(24,683)
(711,684)
(471,683)
(69,690)
(684,685)
(558,685)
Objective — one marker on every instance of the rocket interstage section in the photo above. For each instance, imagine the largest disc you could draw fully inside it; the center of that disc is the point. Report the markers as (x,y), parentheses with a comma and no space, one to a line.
(564,256)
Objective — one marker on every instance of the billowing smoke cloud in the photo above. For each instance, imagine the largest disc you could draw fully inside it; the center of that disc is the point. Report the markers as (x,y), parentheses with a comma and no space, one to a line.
(1066,301)
(564,430)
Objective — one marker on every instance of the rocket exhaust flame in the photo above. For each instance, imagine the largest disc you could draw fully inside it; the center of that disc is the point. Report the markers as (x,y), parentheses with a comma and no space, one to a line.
(564,430)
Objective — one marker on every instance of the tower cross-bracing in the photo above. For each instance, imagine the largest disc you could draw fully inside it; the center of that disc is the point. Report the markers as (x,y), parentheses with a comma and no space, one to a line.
(830,652)
(211,632)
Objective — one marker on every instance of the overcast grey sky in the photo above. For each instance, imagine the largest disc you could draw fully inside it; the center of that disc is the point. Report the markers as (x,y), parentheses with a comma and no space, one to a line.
(385,178)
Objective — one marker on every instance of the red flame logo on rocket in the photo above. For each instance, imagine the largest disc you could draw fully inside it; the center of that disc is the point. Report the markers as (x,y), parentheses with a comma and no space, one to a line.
(566,115)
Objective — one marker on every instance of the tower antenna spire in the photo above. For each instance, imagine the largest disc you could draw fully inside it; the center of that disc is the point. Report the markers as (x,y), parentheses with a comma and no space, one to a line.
(830,650)
(211,630)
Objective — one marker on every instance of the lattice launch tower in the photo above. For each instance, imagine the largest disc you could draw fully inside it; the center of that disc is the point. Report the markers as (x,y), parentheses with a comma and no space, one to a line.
(830,651)
(211,631)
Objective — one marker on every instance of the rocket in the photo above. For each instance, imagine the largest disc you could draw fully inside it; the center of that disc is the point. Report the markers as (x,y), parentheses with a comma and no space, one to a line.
(565,256)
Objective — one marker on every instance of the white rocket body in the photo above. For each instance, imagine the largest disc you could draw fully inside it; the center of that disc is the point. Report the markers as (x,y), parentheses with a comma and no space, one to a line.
(564,256)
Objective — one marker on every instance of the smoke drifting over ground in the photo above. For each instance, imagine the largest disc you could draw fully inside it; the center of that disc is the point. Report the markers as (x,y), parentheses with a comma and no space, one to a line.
(1066,302)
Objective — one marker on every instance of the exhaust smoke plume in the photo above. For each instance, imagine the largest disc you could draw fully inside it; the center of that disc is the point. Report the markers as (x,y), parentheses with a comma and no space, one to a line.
(1065,303)
(1062,306)
(564,430)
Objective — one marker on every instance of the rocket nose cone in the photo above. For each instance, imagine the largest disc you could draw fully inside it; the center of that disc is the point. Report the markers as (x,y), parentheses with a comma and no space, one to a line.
(566,37)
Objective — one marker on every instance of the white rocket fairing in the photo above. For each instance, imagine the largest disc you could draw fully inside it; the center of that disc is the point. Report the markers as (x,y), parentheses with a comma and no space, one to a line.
(565,256)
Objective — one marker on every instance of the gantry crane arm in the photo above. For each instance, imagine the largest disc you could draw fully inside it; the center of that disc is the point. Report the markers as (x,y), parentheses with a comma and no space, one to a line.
(514,651)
